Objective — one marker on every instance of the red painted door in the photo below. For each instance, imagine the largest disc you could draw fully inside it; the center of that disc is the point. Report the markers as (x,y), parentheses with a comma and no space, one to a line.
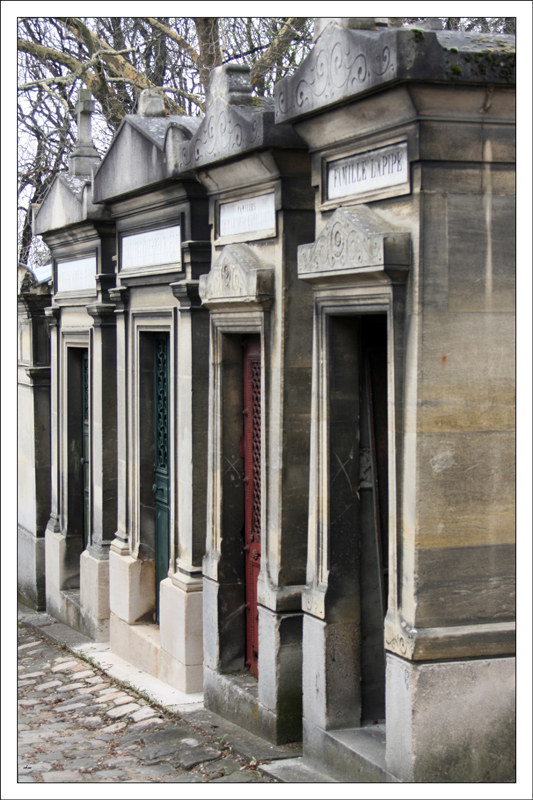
(252,493)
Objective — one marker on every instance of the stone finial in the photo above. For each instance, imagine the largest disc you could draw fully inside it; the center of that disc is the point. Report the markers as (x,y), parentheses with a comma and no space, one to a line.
(84,155)
(151,103)
(231,83)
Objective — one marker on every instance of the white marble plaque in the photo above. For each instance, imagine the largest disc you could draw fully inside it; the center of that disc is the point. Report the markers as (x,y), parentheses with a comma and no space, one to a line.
(248,216)
(369,172)
(77,276)
(152,248)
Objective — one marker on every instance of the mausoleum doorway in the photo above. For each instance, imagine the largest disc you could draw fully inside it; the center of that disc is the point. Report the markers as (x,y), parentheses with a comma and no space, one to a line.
(358,491)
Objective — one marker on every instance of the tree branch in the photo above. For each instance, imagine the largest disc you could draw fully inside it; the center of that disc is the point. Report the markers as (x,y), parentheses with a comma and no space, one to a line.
(288,33)
(185,46)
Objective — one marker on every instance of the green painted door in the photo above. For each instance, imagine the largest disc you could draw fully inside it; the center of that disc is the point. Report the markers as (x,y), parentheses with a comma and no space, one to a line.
(85,445)
(162,461)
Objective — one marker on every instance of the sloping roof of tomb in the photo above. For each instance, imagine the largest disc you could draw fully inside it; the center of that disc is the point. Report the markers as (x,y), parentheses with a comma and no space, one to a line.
(155,128)
(235,122)
(346,62)
(66,202)
(136,156)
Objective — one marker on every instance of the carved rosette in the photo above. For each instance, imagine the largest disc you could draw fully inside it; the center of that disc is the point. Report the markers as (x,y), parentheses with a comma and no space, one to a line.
(238,276)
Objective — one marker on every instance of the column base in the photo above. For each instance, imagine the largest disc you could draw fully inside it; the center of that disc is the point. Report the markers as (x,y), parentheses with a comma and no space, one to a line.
(94,596)
(270,707)
(451,721)
(351,754)
(180,625)
(62,567)
(131,587)
(140,645)
(31,569)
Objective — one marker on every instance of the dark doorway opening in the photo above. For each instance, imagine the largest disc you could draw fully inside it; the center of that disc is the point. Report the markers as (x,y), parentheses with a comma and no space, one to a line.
(374,510)
(161,485)
(78,435)
(358,495)
(154,457)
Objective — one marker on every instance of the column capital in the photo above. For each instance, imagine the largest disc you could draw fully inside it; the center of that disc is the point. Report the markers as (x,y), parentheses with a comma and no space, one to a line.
(102,313)
(187,295)
(120,296)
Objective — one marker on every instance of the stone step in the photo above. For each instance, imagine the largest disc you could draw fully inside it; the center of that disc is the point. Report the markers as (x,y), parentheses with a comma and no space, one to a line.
(352,754)
(295,770)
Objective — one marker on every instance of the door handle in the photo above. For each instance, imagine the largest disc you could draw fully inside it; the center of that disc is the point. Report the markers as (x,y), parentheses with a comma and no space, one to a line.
(154,488)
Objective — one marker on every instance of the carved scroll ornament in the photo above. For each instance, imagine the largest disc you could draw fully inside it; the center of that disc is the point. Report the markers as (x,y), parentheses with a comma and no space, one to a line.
(354,238)
(342,63)
(238,275)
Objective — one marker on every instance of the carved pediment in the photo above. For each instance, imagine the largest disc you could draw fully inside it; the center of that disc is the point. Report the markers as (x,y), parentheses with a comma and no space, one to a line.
(225,131)
(235,121)
(354,239)
(238,276)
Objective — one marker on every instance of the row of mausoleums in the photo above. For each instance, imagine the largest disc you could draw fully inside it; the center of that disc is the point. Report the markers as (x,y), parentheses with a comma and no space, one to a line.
(280,402)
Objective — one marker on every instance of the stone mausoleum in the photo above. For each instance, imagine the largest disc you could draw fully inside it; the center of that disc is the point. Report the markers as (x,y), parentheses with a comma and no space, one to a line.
(409,632)
(271,397)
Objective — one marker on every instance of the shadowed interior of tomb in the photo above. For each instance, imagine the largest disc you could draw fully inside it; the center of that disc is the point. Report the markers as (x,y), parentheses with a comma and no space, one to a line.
(358,508)
(77,502)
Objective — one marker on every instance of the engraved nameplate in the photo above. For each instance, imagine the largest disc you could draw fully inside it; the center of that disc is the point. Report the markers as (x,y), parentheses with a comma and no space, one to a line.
(77,276)
(152,248)
(248,216)
(368,172)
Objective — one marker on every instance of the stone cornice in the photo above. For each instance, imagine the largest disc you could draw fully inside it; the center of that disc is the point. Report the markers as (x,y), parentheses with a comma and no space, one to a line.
(345,63)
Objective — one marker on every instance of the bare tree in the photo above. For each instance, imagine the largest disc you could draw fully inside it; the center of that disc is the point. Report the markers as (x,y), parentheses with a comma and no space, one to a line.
(117,57)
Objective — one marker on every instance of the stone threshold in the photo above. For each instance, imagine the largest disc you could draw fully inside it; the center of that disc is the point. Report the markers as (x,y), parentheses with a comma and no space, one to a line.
(351,754)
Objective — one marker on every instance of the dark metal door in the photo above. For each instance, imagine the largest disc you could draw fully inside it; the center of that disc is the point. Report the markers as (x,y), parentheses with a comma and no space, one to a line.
(162,461)
(252,493)
(85,445)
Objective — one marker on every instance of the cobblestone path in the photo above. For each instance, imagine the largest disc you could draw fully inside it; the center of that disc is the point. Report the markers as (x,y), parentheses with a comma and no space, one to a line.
(75,724)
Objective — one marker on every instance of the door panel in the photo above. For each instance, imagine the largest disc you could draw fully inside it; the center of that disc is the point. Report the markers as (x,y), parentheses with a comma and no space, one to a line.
(252,493)
(162,461)
(85,446)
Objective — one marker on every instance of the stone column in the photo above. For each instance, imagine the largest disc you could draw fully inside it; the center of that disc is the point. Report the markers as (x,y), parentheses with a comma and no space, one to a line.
(126,596)
(33,445)
(53,314)
(94,562)
(181,593)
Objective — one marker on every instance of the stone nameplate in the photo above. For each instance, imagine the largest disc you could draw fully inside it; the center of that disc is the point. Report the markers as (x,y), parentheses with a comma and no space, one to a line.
(152,248)
(77,276)
(372,171)
(248,216)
